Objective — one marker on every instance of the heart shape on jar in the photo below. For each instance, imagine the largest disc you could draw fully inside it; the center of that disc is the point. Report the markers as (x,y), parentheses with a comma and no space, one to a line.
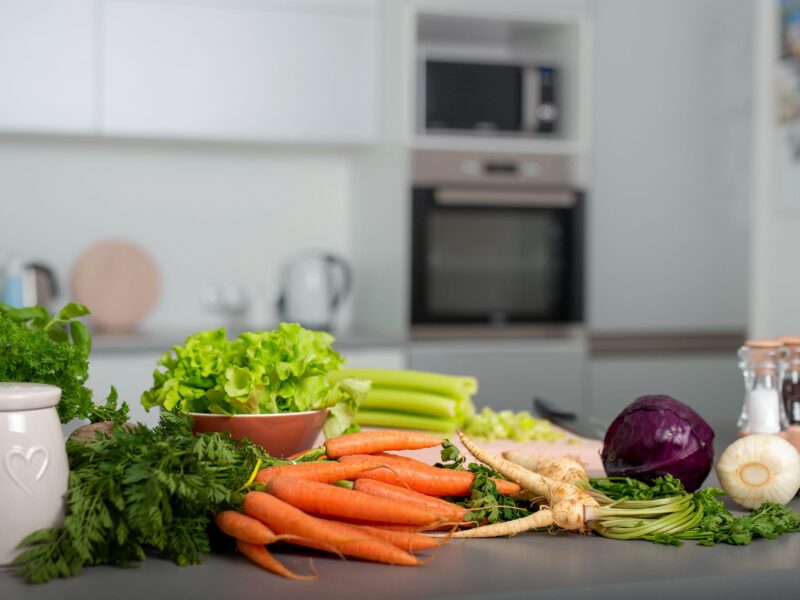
(27,461)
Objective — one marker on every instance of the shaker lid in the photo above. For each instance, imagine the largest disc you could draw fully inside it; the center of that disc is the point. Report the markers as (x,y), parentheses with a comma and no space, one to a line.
(763,344)
(27,396)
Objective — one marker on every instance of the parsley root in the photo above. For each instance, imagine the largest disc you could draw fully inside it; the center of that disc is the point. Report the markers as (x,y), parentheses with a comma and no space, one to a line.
(537,520)
(569,469)
(566,501)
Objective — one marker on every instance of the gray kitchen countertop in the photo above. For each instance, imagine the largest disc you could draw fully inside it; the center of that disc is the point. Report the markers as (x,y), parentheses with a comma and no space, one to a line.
(148,341)
(531,565)
(527,566)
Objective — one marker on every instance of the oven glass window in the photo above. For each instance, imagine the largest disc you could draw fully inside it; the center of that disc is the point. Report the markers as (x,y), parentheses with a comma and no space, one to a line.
(498,264)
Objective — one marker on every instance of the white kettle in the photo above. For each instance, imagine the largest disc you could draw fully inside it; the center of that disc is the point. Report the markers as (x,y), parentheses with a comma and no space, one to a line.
(314,287)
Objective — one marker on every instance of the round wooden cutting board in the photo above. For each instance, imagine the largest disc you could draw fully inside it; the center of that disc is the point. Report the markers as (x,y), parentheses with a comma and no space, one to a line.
(118,281)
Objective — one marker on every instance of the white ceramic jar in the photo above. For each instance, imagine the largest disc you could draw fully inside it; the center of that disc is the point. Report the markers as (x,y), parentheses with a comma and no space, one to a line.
(34,469)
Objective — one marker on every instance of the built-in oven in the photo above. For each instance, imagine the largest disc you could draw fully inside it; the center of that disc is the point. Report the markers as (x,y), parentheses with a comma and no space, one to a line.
(496,240)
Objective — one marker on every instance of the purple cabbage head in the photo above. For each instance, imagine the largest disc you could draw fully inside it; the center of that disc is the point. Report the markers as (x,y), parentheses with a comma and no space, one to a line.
(656,436)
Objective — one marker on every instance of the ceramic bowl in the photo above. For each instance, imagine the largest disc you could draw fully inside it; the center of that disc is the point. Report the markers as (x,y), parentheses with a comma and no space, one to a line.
(280,434)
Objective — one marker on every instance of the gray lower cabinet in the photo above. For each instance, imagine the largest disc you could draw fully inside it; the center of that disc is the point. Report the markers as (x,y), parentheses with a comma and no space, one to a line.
(511,372)
(709,383)
(131,373)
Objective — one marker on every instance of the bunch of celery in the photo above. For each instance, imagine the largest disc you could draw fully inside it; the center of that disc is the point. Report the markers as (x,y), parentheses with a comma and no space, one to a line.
(413,399)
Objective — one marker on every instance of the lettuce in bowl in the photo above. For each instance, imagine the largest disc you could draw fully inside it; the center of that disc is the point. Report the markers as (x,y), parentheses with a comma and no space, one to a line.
(280,371)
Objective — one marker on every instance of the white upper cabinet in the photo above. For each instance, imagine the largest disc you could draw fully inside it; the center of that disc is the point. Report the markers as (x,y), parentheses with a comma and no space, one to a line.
(299,71)
(47,66)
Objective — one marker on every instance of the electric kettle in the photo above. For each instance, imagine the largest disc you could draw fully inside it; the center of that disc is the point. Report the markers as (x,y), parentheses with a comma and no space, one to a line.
(314,285)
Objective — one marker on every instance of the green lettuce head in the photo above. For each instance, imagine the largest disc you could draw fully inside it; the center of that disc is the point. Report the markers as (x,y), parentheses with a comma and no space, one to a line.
(280,371)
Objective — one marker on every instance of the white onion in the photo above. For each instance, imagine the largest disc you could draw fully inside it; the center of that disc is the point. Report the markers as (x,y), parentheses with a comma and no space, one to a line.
(759,468)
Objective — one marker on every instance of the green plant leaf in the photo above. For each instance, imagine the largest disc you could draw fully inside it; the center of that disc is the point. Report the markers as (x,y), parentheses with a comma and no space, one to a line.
(81,336)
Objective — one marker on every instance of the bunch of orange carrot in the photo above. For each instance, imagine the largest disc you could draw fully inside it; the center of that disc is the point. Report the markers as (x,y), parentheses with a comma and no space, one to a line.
(379,516)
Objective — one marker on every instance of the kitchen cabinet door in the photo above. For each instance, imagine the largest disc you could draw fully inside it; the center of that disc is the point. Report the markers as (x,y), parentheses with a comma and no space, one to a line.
(511,373)
(278,71)
(47,66)
(710,383)
(131,372)
(668,212)
(375,357)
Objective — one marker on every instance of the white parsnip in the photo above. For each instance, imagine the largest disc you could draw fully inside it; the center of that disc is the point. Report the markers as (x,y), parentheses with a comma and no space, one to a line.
(565,500)
(537,520)
(569,469)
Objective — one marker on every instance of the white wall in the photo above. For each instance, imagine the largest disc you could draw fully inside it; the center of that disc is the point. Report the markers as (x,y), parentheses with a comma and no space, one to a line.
(207,213)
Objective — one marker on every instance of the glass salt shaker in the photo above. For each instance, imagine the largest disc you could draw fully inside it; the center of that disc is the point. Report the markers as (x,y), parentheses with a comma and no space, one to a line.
(791,378)
(761,362)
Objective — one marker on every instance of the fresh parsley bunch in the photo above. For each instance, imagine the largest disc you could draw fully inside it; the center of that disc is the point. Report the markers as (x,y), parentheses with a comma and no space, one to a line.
(141,489)
(40,348)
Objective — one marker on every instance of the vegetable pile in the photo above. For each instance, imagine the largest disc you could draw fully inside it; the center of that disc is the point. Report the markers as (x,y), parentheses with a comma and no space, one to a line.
(278,371)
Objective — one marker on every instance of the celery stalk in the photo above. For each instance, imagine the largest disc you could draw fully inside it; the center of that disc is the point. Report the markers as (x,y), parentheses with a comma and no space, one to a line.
(409,401)
(384,418)
(452,386)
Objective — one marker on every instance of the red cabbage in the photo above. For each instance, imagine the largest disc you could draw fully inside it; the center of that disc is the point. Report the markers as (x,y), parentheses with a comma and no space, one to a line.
(656,436)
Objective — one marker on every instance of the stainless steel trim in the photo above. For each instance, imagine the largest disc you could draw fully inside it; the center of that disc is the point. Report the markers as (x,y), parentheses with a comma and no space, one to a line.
(543,199)
(531,96)
(437,167)
(653,343)
(485,331)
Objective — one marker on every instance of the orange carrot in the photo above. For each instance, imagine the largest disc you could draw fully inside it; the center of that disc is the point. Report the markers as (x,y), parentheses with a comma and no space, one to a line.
(390,456)
(244,528)
(323,499)
(448,510)
(325,472)
(387,526)
(410,541)
(367,442)
(262,557)
(432,481)
(316,533)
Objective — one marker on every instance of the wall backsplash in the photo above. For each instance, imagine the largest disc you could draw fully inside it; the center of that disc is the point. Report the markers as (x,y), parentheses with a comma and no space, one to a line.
(208,213)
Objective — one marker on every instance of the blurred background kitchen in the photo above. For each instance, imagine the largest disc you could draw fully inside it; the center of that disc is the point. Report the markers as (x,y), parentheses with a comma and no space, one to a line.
(581,200)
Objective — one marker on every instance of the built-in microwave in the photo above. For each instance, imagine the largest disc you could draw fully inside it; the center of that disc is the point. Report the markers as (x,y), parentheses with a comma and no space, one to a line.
(495,240)
(488,97)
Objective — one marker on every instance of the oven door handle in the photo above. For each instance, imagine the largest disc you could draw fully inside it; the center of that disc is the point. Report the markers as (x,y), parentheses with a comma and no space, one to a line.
(506,198)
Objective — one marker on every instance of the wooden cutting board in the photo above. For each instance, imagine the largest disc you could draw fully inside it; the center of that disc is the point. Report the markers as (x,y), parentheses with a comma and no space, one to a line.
(118,281)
